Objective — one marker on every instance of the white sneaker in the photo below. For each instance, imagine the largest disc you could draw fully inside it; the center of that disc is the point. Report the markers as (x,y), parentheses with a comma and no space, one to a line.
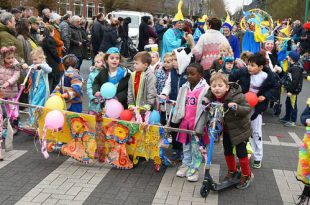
(194,177)
(182,171)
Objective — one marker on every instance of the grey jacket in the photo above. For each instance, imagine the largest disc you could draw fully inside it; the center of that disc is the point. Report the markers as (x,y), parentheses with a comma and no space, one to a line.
(147,90)
(27,49)
(65,33)
(179,112)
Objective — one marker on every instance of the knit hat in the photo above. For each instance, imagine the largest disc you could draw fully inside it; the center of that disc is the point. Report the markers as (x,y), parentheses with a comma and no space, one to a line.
(227,25)
(294,55)
(113,50)
(179,15)
(54,17)
(229,59)
(33,20)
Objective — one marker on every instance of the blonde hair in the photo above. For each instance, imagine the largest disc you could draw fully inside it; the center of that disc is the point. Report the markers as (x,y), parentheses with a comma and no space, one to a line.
(100,56)
(227,48)
(167,55)
(155,53)
(219,76)
(37,52)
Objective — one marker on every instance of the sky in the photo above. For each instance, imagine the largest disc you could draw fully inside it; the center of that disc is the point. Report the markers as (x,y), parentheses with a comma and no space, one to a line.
(235,5)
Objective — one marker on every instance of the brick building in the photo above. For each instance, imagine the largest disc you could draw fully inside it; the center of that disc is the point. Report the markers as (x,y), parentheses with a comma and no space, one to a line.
(85,8)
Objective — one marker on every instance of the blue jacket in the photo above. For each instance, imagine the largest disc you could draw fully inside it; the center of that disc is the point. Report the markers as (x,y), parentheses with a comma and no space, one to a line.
(270,88)
(305,115)
(176,83)
(234,43)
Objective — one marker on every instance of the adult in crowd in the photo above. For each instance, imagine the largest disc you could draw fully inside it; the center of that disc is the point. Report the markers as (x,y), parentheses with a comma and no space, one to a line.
(297,30)
(208,46)
(305,39)
(65,31)
(46,13)
(7,33)
(97,33)
(125,45)
(27,13)
(151,30)
(109,18)
(143,33)
(232,39)
(34,29)
(76,40)
(161,27)
(110,37)
(17,14)
(24,36)
(85,42)
(174,37)
(187,28)
(54,21)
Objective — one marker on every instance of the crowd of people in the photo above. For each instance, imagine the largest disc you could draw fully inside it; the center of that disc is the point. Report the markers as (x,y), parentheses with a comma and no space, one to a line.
(195,63)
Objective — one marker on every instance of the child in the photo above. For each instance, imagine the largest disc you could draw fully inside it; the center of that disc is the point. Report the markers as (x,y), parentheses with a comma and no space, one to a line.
(50,50)
(237,112)
(142,84)
(115,74)
(228,65)
(94,105)
(155,64)
(293,87)
(163,73)
(9,75)
(70,85)
(39,90)
(259,79)
(181,58)
(186,112)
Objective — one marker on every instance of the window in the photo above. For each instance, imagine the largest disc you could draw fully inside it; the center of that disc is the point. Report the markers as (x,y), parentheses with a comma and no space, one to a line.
(100,8)
(78,6)
(90,10)
(63,7)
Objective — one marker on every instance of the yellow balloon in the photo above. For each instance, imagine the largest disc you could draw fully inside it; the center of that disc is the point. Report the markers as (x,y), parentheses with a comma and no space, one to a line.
(55,102)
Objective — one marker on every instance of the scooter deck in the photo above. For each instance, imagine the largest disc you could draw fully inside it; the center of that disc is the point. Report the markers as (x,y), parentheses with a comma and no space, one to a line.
(228,183)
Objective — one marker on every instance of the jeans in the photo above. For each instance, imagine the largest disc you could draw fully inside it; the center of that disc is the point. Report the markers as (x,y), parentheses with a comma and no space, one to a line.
(192,156)
(291,111)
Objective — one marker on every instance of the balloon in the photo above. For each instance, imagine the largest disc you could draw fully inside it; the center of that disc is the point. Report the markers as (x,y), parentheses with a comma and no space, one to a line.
(108,90)
(54,120)
(126,115)
(251,98)
(154,117)
(55,102)
(113,108)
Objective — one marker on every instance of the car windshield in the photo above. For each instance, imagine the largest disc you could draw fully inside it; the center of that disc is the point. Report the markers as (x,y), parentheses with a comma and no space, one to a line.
(134,20)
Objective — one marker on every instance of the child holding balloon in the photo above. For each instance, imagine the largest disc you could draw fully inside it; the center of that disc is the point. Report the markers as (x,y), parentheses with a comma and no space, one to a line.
(115,74)
(259,79)
(70,85)
(186,113)
(94,104)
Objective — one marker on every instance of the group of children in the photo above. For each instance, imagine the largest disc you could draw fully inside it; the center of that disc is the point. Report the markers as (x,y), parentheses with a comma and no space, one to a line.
(178,79)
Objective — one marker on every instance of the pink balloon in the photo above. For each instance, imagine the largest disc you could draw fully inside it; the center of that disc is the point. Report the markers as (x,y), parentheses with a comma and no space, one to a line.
(113,108)
(54,120)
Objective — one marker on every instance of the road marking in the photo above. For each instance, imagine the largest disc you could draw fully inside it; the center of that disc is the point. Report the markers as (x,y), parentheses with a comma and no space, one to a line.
(176,190)
(276,142)
(11,156)
(71,183)
(288,186)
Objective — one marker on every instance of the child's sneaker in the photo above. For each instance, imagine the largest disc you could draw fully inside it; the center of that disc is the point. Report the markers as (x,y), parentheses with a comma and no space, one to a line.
(194,177)
(257,164)
(182,171)
(245,181)
(303,200)
(290,124)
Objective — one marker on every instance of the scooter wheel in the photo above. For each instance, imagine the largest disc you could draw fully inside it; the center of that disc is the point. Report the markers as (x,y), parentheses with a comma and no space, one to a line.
(205,190)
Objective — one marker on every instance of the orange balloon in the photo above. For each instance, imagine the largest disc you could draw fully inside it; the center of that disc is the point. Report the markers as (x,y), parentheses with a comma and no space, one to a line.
(251,98)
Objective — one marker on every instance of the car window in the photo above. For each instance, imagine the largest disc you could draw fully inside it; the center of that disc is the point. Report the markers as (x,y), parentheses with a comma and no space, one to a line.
(134,20)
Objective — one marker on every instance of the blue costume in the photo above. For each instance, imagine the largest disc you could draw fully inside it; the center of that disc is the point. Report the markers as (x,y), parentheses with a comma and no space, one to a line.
(234,43)
(172,39)
(39,91)
(197,34)
(249,43)
(92,75)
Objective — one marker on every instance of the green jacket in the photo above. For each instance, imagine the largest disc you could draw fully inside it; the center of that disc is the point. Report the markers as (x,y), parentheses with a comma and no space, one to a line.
(7,38)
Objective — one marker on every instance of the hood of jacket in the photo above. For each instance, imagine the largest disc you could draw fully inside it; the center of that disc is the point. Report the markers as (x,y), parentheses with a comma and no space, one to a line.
(184,58)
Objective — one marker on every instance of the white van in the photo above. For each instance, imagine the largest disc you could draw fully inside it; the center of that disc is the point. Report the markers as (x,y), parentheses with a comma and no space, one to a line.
(135,22)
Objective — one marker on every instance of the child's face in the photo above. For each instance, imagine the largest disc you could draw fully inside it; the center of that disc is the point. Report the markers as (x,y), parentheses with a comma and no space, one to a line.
(223,52)
(290,60)
(9,59)
(151,41)
(253,68)
(99,62)
(229,65)
(139,66)
(113,60)
(168,63)
(37,60)
(175,62)
(193,76)
(219,88)
(155,58)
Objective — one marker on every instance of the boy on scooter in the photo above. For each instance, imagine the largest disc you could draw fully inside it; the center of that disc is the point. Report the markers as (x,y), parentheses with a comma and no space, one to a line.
(237,126)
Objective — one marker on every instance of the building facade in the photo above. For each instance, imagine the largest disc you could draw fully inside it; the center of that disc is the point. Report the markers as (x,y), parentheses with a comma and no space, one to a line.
(85,8)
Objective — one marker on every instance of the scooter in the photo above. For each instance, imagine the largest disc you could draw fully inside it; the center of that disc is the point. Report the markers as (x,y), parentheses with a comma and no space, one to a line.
(215,128)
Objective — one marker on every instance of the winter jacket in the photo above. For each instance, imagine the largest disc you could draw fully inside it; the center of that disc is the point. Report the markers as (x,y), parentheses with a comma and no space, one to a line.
(58,40)
(143,36)
(179,113)
(236,122)
(92,75)
(305,115)
(96,35)
(65,33)
(269,89)
(294,78)
(234,43)
(50,51)
(10,75)
(109,38)
(7,38)
(76,38)
(147,90)
(26,49)
(122,87)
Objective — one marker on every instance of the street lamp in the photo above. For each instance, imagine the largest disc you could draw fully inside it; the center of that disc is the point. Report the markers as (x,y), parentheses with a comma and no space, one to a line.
(307,10)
